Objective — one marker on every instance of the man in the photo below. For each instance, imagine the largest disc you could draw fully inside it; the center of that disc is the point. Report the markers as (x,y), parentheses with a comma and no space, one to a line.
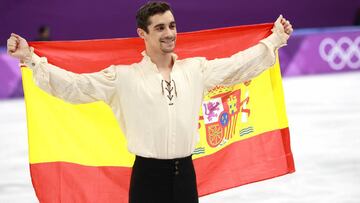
(160,92)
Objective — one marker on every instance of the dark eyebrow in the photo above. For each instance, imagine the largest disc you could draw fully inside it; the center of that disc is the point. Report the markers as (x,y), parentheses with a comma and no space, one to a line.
(159,25)
(162,24)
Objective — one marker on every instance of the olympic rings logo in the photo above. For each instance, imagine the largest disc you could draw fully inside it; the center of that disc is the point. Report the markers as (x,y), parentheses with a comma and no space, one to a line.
(344,52)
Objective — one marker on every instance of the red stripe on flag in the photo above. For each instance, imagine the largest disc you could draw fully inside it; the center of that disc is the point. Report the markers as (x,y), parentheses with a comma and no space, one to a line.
(234,166)
(228,168)
(69,182)
(94,55)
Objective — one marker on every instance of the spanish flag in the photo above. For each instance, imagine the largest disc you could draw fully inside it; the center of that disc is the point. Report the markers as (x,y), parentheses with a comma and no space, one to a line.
(78,152)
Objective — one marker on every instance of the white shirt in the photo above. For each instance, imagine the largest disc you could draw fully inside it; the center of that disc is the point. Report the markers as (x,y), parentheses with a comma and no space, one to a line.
(158,118)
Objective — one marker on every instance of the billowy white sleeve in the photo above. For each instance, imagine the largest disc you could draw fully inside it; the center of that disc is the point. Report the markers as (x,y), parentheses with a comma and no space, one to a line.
(72,87)
(243,65)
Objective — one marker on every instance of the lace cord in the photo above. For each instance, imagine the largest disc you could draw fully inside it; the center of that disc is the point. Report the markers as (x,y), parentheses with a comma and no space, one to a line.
(162,87)
(174,87)
(169,89)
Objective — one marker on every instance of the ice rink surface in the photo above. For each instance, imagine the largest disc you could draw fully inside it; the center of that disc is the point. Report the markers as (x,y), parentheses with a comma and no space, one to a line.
(324,121)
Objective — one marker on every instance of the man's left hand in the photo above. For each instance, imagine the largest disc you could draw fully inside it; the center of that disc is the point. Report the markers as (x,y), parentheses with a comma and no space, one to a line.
(286,25)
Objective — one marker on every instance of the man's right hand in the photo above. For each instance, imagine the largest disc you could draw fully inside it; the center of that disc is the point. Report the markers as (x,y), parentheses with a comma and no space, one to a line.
(18,47)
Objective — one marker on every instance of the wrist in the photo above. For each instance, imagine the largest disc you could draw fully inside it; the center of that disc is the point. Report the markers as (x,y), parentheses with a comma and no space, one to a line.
(28,55)
(277,40)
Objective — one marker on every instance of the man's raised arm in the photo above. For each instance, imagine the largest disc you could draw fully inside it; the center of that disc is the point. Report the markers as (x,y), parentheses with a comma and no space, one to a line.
(249,63)
(69,86)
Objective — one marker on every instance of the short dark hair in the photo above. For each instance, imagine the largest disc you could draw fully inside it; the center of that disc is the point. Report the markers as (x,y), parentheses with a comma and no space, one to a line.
(149,9)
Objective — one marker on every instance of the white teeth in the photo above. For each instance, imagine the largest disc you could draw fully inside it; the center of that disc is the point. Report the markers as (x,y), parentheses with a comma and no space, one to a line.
(167,41)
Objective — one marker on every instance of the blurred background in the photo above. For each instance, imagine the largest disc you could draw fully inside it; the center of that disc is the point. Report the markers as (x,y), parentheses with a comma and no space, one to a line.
(321,79)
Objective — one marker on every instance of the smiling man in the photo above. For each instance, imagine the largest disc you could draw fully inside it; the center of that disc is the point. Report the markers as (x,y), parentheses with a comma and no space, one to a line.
(162,93)
(156,25)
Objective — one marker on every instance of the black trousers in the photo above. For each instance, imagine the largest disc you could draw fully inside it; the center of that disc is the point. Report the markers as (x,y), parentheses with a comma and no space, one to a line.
(163,181)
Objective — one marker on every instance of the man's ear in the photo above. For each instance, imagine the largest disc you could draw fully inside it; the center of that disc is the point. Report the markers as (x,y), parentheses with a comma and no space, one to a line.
(141,33)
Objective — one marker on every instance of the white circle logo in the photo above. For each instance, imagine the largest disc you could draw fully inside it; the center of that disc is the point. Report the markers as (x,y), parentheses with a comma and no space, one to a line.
(341,53)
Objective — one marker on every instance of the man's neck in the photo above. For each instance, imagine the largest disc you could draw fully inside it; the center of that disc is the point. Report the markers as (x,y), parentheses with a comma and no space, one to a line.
(161,60)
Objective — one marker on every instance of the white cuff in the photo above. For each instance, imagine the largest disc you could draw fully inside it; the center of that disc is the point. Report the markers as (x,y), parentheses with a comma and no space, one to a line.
(34,60)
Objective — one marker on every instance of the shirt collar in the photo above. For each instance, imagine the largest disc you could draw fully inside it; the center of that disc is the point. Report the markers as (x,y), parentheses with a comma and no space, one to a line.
(146,58)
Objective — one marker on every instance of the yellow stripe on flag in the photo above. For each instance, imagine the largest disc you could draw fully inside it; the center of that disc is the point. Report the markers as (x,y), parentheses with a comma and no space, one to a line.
(89,134)
(86,134)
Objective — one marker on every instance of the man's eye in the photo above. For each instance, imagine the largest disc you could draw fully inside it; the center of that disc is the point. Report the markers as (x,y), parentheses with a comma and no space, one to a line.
(160,28)
(172,26)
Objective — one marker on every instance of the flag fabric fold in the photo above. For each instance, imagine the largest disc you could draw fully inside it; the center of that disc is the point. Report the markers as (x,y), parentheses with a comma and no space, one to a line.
(78,153)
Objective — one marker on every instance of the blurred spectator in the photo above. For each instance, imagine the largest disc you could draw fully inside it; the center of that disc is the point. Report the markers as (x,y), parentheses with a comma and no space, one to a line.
(357,17)
(43,33)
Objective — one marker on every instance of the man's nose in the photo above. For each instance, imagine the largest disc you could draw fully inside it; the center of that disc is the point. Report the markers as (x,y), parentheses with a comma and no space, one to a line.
(169,32)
